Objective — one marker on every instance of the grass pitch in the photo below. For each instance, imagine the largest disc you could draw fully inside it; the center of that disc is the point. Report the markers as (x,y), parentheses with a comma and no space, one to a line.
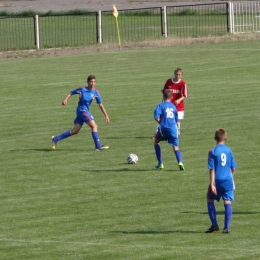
(75,203)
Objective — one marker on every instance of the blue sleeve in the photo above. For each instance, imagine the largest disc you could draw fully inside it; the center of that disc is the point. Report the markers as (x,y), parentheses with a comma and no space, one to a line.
(98,98)
(211,164)
(157,112)
(75,91)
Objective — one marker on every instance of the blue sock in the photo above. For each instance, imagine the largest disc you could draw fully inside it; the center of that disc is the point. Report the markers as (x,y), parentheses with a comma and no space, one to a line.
(228,215)
(158,152)
(178,156)
(96,140)
(62,136)
(212,214)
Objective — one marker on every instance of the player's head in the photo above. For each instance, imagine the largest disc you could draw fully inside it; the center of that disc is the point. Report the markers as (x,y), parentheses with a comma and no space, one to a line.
(167,94)
(91,81)
(178,73)
(220,135)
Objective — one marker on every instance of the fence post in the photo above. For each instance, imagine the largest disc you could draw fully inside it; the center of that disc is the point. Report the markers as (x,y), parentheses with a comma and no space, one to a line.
(99,26)
(165,21)
(37,35)
(231,17)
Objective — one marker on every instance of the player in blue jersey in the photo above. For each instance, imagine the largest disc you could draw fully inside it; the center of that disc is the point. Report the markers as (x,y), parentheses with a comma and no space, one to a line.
(221,165)
(86,96)
(167,116)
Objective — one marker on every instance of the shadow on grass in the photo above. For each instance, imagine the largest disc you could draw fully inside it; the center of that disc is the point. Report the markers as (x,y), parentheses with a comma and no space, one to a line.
(131,169)
(155,232)
(49,150)
(129,137)
(223,212)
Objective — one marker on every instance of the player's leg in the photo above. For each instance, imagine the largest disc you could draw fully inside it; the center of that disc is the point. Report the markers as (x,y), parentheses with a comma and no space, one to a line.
(228,196)
(156,130)
(94,130)
(180,117)
(89,120)
(211,212)
(158,153)
(66,134)
(174,142)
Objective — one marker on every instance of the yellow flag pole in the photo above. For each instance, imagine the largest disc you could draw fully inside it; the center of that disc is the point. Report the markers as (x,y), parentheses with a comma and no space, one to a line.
(118,34)
(115,14)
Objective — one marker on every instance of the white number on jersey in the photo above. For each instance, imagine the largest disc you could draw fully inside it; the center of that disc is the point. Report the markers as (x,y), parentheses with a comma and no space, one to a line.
(223,159)
(169,112)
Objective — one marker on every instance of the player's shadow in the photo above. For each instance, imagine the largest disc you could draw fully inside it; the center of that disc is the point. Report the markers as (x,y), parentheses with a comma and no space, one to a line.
(129,137)
(157,232)
(222,212)
(130,169)
(47,150)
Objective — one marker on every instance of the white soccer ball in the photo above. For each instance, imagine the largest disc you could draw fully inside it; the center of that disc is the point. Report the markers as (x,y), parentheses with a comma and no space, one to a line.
(132,158)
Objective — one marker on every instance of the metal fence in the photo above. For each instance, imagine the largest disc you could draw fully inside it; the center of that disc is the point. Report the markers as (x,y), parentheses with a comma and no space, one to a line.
(198,20)
(134,24)
(90,28)
(68,30)
(245,17)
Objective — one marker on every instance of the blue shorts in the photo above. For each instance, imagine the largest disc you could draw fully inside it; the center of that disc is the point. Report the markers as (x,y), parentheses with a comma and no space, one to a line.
(83,117)
(171,137)
(224,194)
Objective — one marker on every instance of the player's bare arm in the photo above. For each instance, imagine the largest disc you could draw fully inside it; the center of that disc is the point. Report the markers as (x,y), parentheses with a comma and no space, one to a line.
(102,108)
(212,181)
(65,101)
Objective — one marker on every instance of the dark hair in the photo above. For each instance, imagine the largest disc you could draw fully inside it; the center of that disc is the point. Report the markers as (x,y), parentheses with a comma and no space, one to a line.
(167,94)
(220,135)
(90,77)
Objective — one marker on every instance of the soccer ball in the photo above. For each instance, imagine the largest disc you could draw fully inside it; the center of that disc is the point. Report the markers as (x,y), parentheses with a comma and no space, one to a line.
(132,158)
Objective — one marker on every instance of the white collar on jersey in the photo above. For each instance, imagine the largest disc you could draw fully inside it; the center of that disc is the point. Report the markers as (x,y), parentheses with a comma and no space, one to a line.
(175,81)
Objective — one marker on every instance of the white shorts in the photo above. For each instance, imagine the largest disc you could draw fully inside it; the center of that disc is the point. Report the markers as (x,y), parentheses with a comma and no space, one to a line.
(180,114)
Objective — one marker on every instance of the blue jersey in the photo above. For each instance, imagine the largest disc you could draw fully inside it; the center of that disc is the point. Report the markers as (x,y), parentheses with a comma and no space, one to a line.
(168,116)
(85,97)
(221,160)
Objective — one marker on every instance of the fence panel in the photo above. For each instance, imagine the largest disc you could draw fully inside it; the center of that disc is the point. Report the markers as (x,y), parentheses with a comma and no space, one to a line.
(197,20)
(17,33)
(134,25)
(68,30)
(246,17)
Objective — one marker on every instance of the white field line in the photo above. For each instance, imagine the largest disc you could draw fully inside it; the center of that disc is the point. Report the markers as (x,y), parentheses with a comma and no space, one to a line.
(56,83)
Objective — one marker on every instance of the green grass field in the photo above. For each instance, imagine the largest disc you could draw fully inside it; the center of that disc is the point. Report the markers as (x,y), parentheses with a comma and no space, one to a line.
(76,203)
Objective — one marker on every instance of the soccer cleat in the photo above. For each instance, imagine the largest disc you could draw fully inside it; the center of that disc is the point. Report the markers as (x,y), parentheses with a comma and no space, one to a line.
(159,166)
(102,147)
(212,229)
(181,166)
(226,231)
(53,143)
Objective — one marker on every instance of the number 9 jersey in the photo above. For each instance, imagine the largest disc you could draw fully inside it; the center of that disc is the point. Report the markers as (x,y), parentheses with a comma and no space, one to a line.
(221,160)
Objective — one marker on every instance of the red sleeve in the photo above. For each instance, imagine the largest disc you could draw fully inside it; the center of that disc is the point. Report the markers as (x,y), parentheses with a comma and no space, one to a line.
(166,86)
(184,90)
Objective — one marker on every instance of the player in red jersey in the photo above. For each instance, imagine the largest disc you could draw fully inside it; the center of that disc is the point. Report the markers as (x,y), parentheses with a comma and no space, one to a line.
(179,93)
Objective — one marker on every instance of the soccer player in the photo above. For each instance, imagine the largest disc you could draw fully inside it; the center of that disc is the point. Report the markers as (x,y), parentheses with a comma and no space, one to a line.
(179,93)
(86,95)
(165,114)
(221,165)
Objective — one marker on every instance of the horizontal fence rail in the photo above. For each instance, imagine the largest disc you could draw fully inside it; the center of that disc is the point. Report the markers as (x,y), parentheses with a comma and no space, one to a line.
(197,20)
(68,30)
(245,17)
(135,25)
(17,33)
(52,31)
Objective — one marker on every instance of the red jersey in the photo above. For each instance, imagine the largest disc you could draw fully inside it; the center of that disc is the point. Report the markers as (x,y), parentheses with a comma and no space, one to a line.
(178,89)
